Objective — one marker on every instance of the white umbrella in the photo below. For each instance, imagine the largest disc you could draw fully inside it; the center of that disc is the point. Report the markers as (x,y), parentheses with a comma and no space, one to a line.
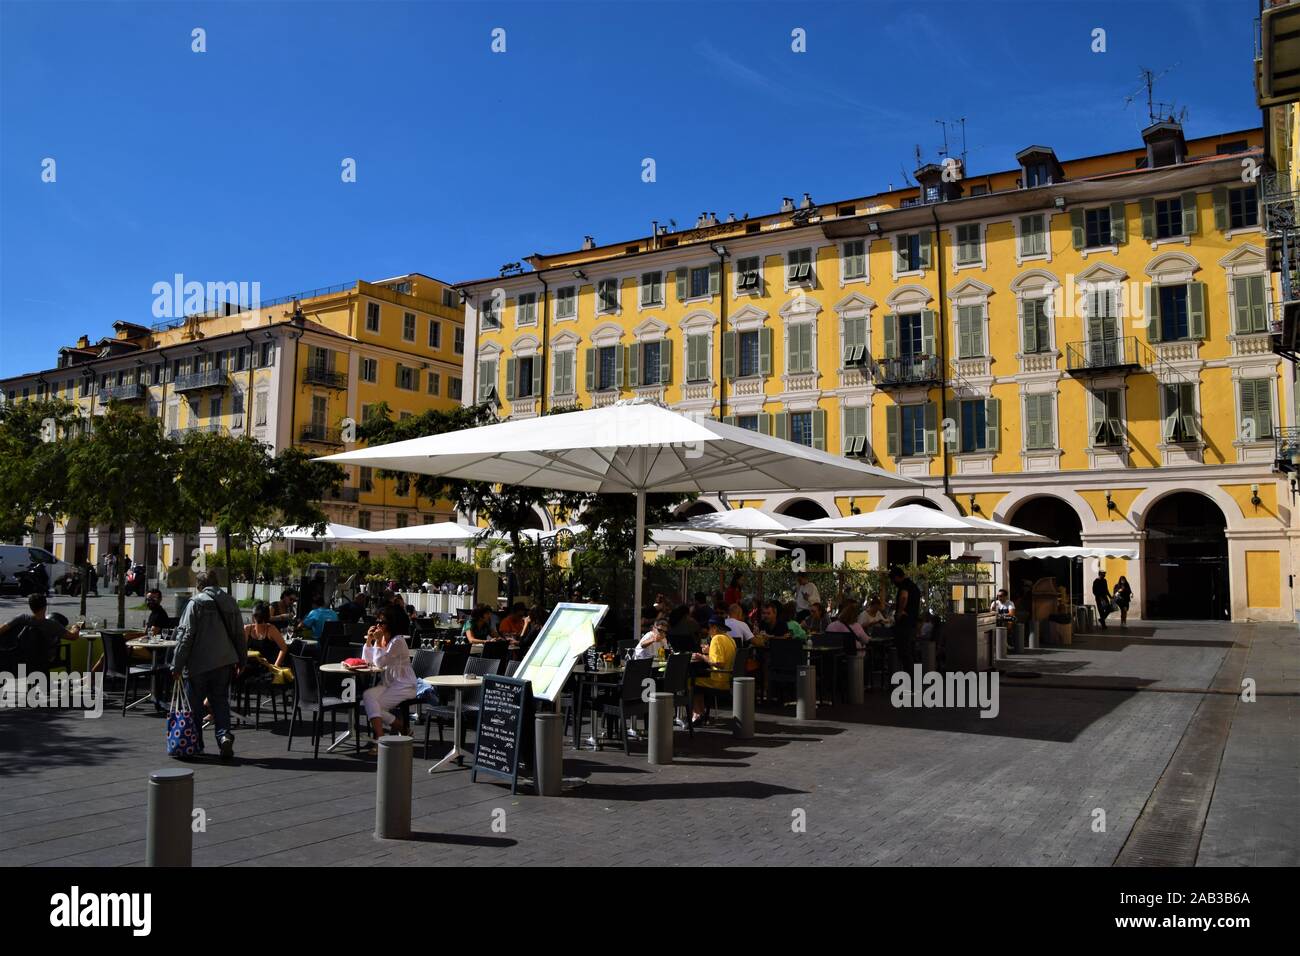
(630,448)
(1073,552)
(1002,531)
(913,522)
(332,532)
(669,538)
(438,534)
(751,523)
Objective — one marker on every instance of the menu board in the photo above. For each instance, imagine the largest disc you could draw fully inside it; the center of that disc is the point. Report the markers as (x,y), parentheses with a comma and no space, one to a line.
(504,706)
(569,631)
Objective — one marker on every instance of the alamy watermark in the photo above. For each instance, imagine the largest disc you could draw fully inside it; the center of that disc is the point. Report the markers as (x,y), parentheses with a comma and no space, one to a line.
(179,297)
(76,691)
(956,689)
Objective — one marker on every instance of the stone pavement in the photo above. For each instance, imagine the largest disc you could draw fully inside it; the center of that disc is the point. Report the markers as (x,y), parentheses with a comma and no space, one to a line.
(858,785)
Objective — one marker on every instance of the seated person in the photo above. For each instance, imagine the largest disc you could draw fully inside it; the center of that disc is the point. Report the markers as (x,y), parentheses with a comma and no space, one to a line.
(720,658)
(683,631)
(158,618)
(1002,607)
(736,626)
(265,638)
(816,619)
(479,629)
(701,610)
(772,622)
(33,638)
(285,610)
(350,611)
(533,625)
(386,648)
(512,625)
(653,641)
(874,619)
(846,623)
(316,618)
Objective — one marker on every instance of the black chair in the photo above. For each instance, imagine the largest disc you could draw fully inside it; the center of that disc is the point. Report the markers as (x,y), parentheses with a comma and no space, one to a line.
(784,658)
(252,685)
(496,650)
(739,668)
(511,667)
(307,698)
(676,681)
(117,664)
(631,701)
(425,663)
(442,713)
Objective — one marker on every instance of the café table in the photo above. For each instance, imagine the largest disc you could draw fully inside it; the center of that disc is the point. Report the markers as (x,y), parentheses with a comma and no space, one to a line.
(595,676)
(458,683)
(340,669)
(155,647)
(825,657)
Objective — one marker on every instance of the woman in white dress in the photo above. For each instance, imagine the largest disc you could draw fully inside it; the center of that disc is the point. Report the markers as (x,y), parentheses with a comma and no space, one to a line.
(386,648)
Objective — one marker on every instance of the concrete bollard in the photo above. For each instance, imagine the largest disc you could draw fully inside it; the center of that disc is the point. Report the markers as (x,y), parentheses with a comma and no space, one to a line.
(549,750)
(661,729)
(393,788)
(805,707)
(854,667)
(169,839)
(999,643)
(742,707)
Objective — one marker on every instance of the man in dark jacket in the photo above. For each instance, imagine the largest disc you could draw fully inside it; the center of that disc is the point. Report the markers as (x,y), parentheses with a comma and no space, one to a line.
(1101,594)
(210,647)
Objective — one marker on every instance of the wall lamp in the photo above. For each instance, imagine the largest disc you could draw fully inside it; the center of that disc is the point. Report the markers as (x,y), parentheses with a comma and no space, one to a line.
(975,508)
(1058,202)
(1254,495)
(873,227)
(718,249)
(1110,504)
(853,507)
(579,274)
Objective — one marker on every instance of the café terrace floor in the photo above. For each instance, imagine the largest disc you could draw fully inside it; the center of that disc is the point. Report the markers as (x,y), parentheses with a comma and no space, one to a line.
(1119,723)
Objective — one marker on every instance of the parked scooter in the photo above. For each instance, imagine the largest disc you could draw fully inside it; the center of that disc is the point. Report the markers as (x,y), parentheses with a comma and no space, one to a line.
(33,580)
(135,580)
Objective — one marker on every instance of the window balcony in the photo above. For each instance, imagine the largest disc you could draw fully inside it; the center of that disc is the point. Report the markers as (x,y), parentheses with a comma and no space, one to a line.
(196,381)
(344,493)
(315,375)
(907,371)
(122,393)
(321,435)
(1102,356)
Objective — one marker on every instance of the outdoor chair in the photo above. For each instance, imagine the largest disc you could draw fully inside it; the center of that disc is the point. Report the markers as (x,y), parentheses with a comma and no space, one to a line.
(739,668)
(444,713)
(496,650)
(117,664)
(251,687)
(307,700)
(676,681)
(630,703)
(784,658)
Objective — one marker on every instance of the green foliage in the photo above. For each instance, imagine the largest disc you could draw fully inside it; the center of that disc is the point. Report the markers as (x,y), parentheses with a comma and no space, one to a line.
(33,480)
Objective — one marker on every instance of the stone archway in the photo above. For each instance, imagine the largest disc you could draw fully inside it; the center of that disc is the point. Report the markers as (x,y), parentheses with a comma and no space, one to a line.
(1185,564)
(805,509)
(695,509)
(1053,518)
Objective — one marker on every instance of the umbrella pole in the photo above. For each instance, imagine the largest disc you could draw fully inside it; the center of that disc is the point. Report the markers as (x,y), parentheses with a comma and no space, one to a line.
(638,562)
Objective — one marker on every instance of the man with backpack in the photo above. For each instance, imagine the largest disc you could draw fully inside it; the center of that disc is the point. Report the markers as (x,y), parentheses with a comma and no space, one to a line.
(210,648)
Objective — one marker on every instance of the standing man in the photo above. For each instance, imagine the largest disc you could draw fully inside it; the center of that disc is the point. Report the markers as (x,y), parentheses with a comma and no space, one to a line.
(907,609)
(805,594)
(1101,594)
(110,571)
(210,648)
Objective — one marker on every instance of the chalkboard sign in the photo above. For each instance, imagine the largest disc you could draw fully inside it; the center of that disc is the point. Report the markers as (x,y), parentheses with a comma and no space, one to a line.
(505,706)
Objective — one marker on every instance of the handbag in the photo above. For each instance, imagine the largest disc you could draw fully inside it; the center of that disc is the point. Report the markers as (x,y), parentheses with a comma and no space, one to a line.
(182,734)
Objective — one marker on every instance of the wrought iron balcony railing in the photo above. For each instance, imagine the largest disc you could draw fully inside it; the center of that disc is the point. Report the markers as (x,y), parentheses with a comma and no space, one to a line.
(321,435)
(212,378)
(1094,356)
(315,375)
(122,393)
(907,370)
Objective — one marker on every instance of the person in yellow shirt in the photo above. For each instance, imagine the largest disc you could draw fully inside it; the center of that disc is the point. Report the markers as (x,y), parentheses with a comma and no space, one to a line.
(720,659)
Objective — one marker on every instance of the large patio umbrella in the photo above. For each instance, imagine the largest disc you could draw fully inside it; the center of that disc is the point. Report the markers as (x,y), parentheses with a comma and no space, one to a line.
(628,448)
(438,534)
(914,522)
(332,534)
(751,523)
(1073,552)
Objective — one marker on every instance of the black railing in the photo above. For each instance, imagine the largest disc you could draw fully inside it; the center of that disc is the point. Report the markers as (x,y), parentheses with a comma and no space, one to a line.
(121,393)
(1286,449)
(212,378)
(1104,355)
(907,370)
(322,435)
(315,375)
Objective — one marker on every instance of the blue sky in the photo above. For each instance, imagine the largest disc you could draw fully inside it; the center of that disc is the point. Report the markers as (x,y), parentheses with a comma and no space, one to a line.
(225,165)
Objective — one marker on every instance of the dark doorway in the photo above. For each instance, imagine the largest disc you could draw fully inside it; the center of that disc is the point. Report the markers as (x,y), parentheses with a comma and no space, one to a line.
(1186,562)
(695,509)
(806,510)
(1052,518)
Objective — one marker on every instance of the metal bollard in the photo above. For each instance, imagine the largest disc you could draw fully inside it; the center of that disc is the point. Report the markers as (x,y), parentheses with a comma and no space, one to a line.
(169,840)
(742,707)
(999,643)
(855,667)
(805,707)
(662,706)
(549,769)
(393,788)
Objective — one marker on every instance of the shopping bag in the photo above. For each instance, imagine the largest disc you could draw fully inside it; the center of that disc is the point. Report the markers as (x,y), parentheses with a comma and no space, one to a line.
(182,732)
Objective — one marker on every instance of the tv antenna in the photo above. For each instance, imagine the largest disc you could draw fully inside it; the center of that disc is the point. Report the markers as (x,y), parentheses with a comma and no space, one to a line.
(960,122)
(1156,111)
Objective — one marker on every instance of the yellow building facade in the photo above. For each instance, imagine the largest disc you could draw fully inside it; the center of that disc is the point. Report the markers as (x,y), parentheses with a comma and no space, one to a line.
(1083,347)
(291,371)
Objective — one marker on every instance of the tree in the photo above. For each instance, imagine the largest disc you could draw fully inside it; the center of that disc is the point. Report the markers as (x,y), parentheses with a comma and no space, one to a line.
(33,446)
(221,481)
(121,471)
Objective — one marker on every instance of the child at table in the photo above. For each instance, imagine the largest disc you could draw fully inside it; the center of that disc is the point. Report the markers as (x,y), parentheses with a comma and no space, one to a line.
(386,649)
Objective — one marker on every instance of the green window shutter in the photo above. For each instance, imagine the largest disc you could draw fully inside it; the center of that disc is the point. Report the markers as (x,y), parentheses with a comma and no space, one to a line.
(765,351)
(1187,409)
(1097,416)
(1241,315)
(805,346)
(715,279)
(1028,325)
(592,362)
(537,375)
(900,261)
(783,425)
(511,367)
(665,362)
(1196,309)
(819,428)
(1118,225)
(1189,214)
(891,430)
(692,358)
(557,372)
(680,277)
(970,337)
(1263,409)
(729,344)
(931,428)
(928,332)
(1148,208)
(1258,304)
(1249,413)
(925,239)
(764,423)
(1153,313)
(1170,418)
(619,368)
(1220,197)
(891,336)
(1077,236)
(634,364)
(728,419)
(992,424)
(1034,422)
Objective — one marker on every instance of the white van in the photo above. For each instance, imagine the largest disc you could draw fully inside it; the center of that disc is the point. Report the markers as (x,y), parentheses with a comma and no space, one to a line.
(18,557)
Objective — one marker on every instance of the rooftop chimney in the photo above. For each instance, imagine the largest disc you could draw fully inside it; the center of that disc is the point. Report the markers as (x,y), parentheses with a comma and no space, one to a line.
(787,204)
(807,201)
(83,342)
(588,242)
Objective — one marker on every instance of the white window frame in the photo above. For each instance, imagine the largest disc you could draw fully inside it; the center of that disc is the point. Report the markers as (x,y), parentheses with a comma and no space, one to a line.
(642,303)
(573,316)
(601,309)
(865,278)
(373,377)
(757,290)
(1018,222)
(810,282)
(980,262)
(529,317)
(409,322)
(373,307)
